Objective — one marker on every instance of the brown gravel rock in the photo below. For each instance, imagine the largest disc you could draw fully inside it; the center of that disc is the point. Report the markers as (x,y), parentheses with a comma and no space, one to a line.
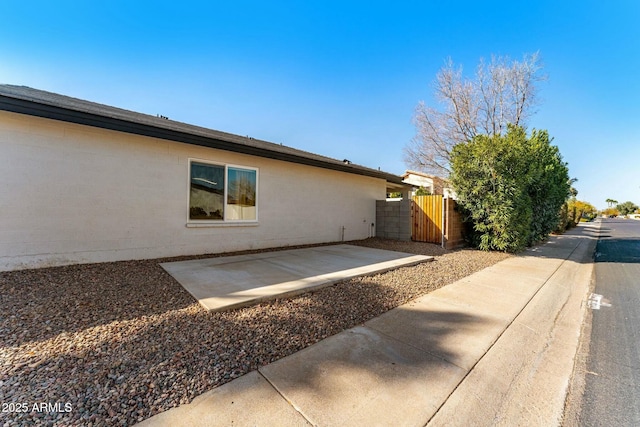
(115,343)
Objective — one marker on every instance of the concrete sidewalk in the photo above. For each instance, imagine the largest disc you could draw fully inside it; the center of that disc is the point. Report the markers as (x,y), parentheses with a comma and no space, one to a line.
(495,348)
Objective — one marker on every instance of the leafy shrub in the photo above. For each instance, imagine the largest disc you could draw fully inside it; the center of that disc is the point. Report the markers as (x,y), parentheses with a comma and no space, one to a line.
(511,187)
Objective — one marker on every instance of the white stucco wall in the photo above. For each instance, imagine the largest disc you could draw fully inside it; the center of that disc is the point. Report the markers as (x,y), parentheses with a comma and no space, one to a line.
(76,194)
(420,181)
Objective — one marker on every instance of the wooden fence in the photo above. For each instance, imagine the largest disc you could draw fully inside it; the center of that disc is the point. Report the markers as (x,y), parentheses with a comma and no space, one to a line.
(436,220)
(427,219)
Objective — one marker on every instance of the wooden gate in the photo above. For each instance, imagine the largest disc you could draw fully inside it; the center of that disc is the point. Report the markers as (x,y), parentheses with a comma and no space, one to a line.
(426,219)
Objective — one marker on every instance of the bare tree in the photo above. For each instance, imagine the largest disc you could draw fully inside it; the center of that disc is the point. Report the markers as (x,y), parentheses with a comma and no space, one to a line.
(503,91)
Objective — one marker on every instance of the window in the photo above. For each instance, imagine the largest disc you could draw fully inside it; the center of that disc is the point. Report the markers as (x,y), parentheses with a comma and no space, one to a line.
(241,194)
(222,193)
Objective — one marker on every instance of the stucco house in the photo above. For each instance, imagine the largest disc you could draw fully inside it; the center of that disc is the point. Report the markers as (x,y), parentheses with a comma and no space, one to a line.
(432,183)
(84,182)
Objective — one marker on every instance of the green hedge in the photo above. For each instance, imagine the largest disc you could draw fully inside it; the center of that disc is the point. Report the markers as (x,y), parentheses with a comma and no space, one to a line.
(511,188)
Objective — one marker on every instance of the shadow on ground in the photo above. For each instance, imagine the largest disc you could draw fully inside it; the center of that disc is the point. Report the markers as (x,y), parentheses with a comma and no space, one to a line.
(123,341)
(619,250)
(355,376)
(128,371)
(555,246)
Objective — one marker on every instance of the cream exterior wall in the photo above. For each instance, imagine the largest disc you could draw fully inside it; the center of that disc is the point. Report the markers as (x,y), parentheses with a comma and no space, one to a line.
(420,181)
(78,194)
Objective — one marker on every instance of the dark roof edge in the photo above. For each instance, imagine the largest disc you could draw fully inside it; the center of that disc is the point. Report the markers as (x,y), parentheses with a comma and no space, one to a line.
(16,104)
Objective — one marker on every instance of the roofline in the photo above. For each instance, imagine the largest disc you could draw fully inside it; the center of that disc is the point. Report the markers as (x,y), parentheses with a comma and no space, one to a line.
(412,172)
(423,174)
(15,104)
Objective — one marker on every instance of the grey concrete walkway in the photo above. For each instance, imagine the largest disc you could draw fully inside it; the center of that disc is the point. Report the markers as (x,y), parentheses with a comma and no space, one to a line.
(230,282)
(495,348)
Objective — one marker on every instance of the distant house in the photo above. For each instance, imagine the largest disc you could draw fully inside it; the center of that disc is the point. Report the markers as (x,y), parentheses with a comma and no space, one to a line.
(431,183)
(84,182)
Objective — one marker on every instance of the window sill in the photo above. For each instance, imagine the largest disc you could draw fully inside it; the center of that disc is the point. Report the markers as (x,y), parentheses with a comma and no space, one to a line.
(222,224)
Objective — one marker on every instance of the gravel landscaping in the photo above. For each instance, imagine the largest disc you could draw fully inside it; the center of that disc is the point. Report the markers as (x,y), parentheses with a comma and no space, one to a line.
(115,343)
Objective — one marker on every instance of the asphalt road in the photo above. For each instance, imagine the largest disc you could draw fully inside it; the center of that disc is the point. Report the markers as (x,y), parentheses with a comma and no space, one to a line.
(612,378)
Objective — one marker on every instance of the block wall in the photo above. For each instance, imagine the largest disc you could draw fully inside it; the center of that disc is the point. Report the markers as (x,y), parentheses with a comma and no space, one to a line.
(78,194)
(393,219)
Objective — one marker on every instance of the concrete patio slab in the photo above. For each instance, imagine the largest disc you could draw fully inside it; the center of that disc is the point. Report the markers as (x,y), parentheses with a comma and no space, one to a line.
(363,377)
(230,282)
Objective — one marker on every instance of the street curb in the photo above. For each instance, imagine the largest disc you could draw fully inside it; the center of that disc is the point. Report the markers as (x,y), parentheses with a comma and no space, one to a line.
(575,389)
(523,379)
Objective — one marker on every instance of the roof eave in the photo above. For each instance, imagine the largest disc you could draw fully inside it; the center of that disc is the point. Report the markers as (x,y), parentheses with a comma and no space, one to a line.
(28,107)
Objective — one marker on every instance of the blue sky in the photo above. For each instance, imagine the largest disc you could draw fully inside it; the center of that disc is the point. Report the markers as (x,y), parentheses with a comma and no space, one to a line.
(340,78)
